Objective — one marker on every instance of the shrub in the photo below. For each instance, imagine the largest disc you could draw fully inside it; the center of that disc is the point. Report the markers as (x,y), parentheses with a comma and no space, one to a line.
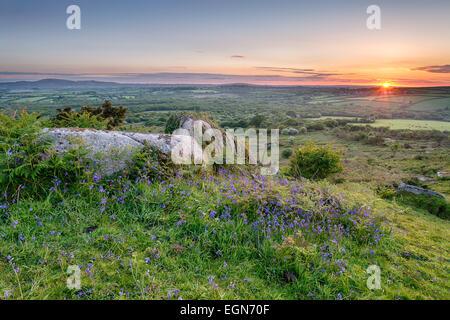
(290,122)
(151,163)
(27,164)
(172,124)
(434,205)
(395,147)
(114,115)
(69,119)
(286,153)
(257,120)
(19,159)
(386,192)
(104,117)
(234,124)
(315,125)
(291,114)
(315,162)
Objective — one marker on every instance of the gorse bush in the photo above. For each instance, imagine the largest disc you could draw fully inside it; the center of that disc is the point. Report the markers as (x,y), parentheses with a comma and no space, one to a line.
(257,121)
(114,115)
(69,119)
(104,117)
(315,162)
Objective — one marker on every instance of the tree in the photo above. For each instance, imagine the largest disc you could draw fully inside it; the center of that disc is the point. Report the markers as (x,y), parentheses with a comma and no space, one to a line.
(115,115)
(91,117)
(257,120)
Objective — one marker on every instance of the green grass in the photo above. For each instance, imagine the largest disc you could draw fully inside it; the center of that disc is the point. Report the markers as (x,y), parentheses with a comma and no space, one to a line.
(143,240)
(376,166)
(332,117)
(28,100)
(398,124)
(431,104)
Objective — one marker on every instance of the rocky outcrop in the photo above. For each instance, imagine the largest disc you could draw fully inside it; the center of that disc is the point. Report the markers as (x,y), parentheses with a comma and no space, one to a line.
(191,123)
(112,151)
(417,190)
(187,122)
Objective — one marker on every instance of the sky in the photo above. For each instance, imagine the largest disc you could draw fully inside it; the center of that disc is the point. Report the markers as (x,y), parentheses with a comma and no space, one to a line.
(279,42)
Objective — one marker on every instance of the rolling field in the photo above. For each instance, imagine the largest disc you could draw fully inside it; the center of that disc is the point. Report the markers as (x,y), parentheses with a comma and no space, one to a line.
(399,124)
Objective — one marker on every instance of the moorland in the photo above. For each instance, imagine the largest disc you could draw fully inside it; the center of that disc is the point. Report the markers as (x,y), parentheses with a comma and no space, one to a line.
(160,232)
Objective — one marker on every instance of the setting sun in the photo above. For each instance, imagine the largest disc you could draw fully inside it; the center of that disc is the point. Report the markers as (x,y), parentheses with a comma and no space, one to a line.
(386,85)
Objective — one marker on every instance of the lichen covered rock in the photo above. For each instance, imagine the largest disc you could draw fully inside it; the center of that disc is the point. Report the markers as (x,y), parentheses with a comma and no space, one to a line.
(112,151)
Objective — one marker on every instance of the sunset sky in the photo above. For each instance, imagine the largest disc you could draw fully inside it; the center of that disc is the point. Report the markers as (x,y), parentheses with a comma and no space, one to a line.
(207,41)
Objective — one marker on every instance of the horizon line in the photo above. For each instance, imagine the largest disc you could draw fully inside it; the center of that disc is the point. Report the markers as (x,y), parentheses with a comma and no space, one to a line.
(227,79)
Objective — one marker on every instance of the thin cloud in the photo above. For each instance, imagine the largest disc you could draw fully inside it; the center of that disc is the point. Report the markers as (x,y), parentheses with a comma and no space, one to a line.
(306,71)
(434,69)
(290,70)
(237,57)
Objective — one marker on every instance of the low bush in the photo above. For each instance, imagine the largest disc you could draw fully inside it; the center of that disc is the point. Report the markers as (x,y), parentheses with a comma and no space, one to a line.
(28,164)
(286,153)
(67,118)
(315,162)
(104,117)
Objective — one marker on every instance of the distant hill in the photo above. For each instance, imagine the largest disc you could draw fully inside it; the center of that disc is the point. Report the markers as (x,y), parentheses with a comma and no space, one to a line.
(74,84)
(59,84)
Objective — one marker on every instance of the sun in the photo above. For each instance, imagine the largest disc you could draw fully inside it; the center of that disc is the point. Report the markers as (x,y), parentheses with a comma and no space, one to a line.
(386,85)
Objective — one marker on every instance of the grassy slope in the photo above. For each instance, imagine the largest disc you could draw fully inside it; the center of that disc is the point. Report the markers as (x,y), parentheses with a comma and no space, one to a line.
(416,261)
(191,235)
(400,124)
(378,165)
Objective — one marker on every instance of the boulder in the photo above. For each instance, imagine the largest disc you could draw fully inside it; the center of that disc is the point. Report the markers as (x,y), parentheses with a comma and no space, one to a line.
(190,122)
(112,151)
(416,190)
(187,122)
